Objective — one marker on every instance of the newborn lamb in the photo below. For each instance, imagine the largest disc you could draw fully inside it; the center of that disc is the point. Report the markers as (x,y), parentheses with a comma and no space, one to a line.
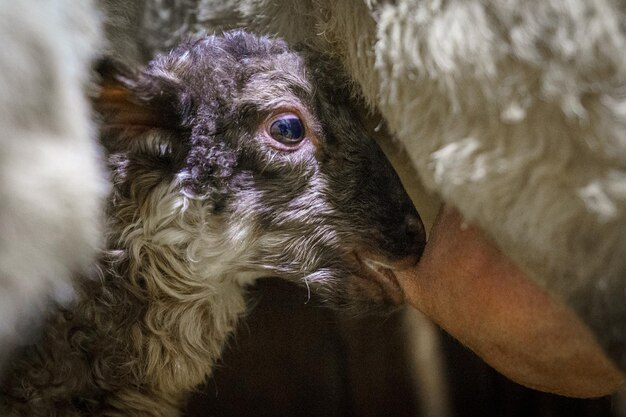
(230,162)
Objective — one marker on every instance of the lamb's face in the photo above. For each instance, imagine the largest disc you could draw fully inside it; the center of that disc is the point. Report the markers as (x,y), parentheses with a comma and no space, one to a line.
(289,183)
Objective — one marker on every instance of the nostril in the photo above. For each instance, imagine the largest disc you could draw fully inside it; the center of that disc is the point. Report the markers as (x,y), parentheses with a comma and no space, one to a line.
(414,226)
(414,230)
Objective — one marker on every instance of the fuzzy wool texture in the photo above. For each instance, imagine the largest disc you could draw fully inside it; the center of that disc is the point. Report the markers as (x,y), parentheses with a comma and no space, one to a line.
(521,127)
(52,183)
(511,111)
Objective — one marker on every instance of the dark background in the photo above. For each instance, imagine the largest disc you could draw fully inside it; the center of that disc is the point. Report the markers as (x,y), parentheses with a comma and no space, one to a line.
(297,359)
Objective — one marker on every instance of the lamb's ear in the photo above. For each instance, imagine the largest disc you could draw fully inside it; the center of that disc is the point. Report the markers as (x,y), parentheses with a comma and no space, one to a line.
(130,104)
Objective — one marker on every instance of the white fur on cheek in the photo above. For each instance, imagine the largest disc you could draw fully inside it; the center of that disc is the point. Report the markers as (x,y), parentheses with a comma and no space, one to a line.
(187,258)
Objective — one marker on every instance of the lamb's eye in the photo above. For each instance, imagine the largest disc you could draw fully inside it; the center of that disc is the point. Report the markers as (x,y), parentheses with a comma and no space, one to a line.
(287,129)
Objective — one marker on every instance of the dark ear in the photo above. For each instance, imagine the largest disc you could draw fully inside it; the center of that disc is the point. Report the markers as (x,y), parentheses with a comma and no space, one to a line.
(130,104)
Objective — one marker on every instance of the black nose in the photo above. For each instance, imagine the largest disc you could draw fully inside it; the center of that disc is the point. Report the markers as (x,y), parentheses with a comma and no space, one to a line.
(415,234)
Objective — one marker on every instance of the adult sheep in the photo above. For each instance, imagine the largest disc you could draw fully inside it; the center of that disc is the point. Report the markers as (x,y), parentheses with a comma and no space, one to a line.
(513,114)
(51,180)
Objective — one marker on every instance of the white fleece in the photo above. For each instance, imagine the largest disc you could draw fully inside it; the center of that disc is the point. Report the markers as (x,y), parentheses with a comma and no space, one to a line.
(50,177)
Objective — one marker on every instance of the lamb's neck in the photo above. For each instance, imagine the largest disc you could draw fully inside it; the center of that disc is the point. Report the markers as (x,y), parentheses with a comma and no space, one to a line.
(185,320)
(175,261)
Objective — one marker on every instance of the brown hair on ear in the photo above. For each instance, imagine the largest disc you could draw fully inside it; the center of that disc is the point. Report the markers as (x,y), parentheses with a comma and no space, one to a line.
(124,111)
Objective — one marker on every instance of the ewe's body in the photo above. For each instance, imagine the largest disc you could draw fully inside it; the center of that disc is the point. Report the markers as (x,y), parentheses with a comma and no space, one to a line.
(51,181)
(229,162)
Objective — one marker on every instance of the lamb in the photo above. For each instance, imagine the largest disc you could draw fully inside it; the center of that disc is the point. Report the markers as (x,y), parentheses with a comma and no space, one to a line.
(232,158)
(513,114)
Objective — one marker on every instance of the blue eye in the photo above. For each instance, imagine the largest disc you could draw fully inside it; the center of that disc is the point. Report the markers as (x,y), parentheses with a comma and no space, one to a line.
(288,130)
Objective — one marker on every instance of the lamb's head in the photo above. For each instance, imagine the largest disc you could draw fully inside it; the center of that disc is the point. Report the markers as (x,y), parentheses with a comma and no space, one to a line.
(250,159)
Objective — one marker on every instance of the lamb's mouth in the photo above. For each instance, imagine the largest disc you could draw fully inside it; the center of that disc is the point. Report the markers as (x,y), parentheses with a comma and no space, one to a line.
(377,280)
